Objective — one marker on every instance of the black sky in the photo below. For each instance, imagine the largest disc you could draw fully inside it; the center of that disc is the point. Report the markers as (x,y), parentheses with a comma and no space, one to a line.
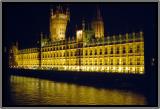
(25,21)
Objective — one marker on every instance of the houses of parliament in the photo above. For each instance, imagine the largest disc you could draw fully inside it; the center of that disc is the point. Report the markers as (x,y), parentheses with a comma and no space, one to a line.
(89,51)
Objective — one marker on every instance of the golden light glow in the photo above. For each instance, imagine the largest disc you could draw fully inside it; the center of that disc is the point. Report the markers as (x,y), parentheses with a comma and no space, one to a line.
(100,54)
(79,35)
(120,69)
(62,92)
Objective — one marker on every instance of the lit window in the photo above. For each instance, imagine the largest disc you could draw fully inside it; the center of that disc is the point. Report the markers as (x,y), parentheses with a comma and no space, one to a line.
(138,48)
(117,61)
(60,54)
(111,50)
(138,61)
(105,61)
(111,61)
(105,50)
(130,49)
(86,52)
(100,51)
(124,51)
(124,62)
(100,61)
(130,61)
(117,50)
(95,52)
(67,53)
(95,61)
(90,52)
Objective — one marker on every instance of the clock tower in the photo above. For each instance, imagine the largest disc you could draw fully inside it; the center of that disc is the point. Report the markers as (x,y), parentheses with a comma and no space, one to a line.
(58,23)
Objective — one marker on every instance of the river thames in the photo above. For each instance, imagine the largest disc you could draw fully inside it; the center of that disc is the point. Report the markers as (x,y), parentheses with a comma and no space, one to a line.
(34,91)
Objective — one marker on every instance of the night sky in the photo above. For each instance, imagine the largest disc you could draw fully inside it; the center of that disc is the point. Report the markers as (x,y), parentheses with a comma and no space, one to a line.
(25,21)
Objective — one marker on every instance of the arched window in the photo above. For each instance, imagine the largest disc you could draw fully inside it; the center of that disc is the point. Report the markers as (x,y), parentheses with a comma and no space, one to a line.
(86,62)
(90,62)
(81,52)
(124,62)
(124,50)
(117,50)
(105,61)
(95,61)
(106,50)
(95,52)
(100,51)
(117,61)
(67,53)
(138,61)
(130,61)
(130,49)
(111,61)
(138,49)
(77,53)
(100,61)
(111,50)
(90,52)
(86,52)
(59,53)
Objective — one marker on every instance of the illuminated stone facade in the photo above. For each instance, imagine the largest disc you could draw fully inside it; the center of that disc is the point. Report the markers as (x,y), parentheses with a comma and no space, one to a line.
(58,23)
(98,25)
(123,53)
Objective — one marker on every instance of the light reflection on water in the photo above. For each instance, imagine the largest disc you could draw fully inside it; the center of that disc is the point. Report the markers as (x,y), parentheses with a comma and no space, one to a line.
(33,91)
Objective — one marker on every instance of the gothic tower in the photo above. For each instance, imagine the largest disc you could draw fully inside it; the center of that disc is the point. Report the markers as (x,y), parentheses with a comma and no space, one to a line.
(98,25)
(58,23)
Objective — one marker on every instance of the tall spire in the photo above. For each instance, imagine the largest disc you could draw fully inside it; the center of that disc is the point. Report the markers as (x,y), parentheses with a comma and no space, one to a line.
(59,9)
(98,16)
(17,44)
(41,35)
(97,24)
(83,24)
(51,12)
(67,11)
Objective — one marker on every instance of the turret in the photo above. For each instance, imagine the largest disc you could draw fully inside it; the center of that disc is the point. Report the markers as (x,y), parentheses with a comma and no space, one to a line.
(41,35)
(98,25)
(83,24)
(58,23)
(15,48)
(51,12)
(17,44)
(67,12)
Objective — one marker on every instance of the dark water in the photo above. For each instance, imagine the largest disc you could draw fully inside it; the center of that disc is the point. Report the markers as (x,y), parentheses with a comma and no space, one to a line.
(34,91)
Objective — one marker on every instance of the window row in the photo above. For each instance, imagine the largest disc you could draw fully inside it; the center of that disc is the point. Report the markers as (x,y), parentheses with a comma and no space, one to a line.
(91,52)
(112,51)
(117,49)
(27,57)
(96,62)
(28,50)
(59,48)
